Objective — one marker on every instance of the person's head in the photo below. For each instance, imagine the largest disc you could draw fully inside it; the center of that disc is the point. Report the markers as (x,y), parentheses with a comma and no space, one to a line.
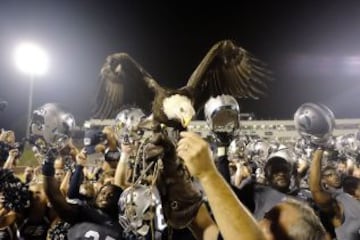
(330,177)
(9,137)
(292,220)
(37,193)
(278,173)
(107,199)
(351,185)
(28,174)
(59,174)
(342,167)
(87,190)
(59,163)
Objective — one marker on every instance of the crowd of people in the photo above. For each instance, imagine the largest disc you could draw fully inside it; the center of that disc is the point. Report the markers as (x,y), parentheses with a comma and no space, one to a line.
(130,182)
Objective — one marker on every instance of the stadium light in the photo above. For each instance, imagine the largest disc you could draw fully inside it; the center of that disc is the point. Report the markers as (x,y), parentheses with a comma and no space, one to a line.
(33,61)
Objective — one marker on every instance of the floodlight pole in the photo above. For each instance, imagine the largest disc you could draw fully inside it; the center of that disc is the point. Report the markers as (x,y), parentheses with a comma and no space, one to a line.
(32,77)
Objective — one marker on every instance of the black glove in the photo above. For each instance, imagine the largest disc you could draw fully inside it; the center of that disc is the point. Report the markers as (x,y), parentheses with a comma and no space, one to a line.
(48,163)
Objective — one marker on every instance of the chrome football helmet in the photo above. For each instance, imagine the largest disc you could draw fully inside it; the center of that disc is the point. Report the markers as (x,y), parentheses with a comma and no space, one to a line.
(52,124)
(138,206)
(315,122)
(222,114)
(285,155)
(257,149)
(127,122)
(348,145)
(236,149)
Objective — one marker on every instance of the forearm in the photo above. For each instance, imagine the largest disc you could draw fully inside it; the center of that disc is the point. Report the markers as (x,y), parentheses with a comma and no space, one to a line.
(75,182)
(9,163)
(121,172)
(65,211)
(233,219)
(64,186)
(238,177)
(320,196)
(7,218)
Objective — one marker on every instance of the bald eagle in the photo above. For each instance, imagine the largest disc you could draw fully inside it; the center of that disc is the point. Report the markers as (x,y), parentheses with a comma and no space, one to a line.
(226,69)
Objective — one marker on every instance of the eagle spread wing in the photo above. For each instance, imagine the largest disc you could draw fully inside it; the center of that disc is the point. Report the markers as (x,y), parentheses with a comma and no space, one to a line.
(122,82)
(228,69)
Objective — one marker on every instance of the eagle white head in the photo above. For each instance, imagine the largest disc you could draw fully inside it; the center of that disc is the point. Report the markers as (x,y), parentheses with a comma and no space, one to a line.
(179,107)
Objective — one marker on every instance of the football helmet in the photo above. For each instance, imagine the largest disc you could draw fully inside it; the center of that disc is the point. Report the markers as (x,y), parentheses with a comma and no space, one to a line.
(53,124)
(138,206)
(315,122)
(236,149)
(285,155)
(222,114)
(348,145)
(127,122)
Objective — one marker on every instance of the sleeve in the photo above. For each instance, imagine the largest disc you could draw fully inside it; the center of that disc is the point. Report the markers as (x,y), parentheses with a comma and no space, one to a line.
(222,164)
(246,194)
(75,182)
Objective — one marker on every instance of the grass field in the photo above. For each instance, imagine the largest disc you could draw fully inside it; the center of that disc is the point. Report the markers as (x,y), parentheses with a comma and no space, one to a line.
(27,158)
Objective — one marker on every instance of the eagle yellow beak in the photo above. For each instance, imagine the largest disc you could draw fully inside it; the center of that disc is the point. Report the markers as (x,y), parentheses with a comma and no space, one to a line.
(185,121)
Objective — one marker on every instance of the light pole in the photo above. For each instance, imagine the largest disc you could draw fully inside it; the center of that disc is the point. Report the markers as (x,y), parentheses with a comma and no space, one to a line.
(33,61)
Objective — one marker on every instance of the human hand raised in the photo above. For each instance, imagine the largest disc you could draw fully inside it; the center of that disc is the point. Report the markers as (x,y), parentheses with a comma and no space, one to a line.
(196,154)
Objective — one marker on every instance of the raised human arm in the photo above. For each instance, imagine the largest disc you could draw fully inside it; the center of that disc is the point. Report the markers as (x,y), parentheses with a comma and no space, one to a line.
(122,167)
(64,186)
(10,161)
(67,212)
(320,196)
(233,219)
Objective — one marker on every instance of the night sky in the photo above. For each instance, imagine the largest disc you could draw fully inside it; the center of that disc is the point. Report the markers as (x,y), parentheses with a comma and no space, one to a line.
(313,49)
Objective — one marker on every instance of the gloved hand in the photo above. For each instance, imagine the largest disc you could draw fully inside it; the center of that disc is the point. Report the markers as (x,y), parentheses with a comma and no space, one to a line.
(48,162)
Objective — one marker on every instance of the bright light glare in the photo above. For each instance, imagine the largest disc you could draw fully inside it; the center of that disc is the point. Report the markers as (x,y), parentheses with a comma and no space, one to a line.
(31,59)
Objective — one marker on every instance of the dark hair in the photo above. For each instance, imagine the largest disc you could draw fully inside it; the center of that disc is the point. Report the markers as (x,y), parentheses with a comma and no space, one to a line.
(350,184)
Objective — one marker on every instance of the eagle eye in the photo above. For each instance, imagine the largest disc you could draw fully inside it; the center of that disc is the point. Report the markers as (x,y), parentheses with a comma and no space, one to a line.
(181,109)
